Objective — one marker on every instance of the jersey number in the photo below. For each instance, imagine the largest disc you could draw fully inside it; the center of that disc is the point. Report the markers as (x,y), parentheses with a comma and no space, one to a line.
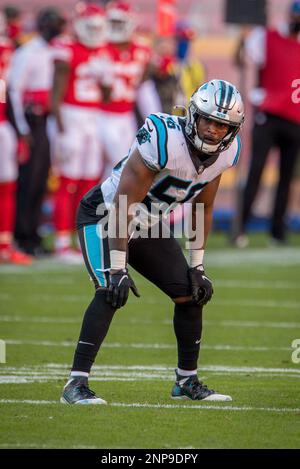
(162,187)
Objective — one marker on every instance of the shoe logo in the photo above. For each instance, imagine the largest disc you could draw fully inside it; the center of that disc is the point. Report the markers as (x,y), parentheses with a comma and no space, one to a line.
(198,341)
(125,277)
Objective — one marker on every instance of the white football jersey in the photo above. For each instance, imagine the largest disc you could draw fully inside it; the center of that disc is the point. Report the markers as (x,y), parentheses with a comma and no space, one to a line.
(163,147)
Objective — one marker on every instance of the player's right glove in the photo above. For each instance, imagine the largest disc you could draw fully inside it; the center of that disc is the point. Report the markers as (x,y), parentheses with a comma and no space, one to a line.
(120,283)
(201,286)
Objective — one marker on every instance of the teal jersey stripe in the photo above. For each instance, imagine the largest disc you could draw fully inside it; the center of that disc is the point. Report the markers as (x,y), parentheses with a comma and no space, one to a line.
(236,159)
(162,140)
(93,244)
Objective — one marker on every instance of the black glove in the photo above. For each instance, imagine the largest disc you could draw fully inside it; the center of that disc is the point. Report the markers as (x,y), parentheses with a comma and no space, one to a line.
(119,285)
(202,289)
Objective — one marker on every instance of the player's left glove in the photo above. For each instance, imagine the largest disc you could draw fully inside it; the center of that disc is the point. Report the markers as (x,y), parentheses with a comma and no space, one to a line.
(120,283)
(201,285)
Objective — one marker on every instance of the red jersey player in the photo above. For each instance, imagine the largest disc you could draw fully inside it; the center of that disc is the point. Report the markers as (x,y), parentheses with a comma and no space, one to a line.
(8,163)
(128,64)
(74,132)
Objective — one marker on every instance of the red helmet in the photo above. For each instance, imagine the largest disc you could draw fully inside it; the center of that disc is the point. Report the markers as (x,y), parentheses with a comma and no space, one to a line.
(120,21)
(89,24)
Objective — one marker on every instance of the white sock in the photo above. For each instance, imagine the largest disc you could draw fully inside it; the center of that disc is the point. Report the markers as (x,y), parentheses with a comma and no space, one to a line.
(73,374)
(185,374)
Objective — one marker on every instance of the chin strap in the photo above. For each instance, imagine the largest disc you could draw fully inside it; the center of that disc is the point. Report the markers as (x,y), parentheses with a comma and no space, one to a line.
(206,147)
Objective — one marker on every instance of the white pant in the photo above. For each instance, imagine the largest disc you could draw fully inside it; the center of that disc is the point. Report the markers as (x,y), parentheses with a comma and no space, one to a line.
(76,153)
(8,150)
(117,131)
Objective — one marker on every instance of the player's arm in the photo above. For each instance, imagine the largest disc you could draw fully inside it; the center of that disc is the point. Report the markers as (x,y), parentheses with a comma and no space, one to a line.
(18,78)
(134,184)
(207,198)
(60,80)
(201,285)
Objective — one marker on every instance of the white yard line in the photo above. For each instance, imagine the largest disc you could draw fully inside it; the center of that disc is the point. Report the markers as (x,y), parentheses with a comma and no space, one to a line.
(260,257)
(198,406)
(259,303)
(219,282)
(7,297)
(254,324)
(39,319)
(131,377)
(263,257)
(226,283)
(152,346)
(166,322)
(42,446)
(256,285)
(57,371)
(160,368)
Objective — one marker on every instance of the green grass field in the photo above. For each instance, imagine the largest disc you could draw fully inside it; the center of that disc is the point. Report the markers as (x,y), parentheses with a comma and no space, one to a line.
(249,327)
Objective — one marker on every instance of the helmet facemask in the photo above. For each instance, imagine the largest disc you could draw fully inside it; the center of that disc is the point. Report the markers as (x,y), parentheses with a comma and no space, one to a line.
(207,97)
(210,148)
(120,22)
(119,31)
(91,30)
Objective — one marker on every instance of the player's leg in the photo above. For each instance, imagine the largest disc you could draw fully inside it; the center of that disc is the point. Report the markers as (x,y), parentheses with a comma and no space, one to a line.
(40,156)
(67,148)
(8,177)
(31,186)
(289,143)
(92,162)
(162,262)
(96,321)
(262,141)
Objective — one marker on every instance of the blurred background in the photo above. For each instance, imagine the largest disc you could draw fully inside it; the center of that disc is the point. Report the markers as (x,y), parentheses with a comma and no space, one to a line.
(76,82)
(183,45)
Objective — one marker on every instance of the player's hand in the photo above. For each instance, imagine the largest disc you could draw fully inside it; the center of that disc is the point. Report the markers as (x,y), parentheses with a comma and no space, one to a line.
(201,285)
(120,283)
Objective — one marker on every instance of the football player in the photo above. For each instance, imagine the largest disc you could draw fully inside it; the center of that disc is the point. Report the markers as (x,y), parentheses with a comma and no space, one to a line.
(74,134)
(129,60)
(172,160)
(8,163)
(29,86)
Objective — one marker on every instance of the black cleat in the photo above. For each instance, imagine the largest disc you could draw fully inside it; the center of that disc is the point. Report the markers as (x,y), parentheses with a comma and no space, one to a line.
(77,391)
(195,390)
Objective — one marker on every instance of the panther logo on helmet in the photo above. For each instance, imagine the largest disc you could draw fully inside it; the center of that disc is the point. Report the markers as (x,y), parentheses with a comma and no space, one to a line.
(218,100)
(120,22)
(90,24)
